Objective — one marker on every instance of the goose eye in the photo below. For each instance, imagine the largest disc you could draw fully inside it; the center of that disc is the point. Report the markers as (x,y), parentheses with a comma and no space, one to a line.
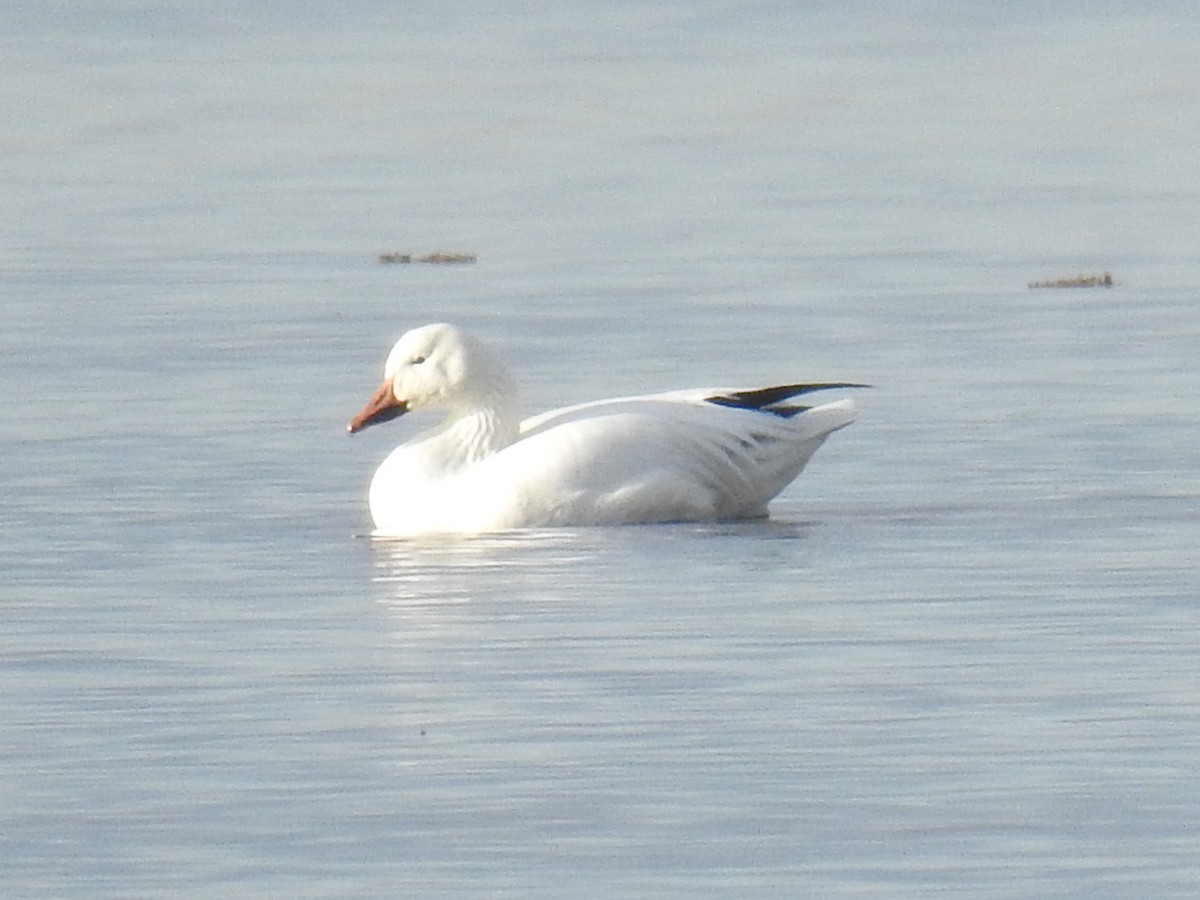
(416,360)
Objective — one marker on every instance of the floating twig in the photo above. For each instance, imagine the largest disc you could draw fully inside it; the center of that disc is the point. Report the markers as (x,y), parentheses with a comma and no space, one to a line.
(1079,281)
(439,258)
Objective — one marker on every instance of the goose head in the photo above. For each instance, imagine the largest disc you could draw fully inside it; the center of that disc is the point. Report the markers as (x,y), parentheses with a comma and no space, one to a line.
(437,367)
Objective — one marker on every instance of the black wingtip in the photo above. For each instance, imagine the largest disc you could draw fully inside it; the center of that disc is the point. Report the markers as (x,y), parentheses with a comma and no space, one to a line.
(765,399)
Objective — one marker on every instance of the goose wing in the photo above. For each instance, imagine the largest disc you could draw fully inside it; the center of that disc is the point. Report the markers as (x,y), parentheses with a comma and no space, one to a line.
(665,457)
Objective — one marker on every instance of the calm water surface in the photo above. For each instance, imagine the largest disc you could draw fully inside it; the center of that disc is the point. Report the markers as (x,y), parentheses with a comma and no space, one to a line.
(961,658)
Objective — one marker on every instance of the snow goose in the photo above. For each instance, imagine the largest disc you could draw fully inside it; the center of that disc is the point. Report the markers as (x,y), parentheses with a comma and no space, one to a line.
(690,455)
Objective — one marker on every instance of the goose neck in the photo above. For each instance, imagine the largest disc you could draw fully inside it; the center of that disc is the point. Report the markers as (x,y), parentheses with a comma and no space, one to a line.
(480,432)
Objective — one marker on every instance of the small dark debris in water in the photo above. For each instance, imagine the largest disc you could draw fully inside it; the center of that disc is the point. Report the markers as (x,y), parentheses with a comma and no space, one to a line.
(1079,281)
(438,259)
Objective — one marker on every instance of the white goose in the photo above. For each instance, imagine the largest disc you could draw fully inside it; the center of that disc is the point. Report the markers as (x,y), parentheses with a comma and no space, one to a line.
(688,455)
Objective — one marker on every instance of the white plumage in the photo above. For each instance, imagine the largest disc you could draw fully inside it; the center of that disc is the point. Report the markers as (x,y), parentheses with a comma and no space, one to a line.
(678,456)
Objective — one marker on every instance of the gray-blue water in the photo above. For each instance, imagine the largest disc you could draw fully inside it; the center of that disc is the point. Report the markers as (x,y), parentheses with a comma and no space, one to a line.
(960,660)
